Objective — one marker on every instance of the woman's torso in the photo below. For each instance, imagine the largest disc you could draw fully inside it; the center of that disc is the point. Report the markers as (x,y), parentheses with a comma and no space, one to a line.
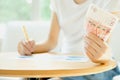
(71,20)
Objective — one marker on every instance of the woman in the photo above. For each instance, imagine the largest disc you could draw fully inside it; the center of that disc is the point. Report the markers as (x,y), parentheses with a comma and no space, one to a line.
(67,16)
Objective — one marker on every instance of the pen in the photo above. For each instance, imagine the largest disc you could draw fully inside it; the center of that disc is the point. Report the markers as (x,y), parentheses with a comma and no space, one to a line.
(26,37)
(25,33)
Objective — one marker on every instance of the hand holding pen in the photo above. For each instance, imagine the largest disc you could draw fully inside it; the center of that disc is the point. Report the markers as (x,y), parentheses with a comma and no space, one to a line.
(26,47)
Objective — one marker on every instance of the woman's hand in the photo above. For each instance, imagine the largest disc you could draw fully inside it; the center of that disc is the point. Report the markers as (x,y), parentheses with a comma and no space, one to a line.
(96,49)
(26,47)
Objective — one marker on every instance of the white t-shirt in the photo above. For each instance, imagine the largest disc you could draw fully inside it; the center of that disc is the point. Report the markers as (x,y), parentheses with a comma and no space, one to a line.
(71,20)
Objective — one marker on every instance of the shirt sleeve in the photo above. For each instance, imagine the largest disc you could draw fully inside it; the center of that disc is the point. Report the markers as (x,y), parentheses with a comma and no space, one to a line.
(53,5)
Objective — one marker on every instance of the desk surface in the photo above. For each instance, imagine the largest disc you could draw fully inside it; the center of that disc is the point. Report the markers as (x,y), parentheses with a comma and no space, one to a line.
(42,65)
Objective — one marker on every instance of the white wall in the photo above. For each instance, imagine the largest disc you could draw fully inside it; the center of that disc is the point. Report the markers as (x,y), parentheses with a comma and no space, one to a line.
(14,34)
(115,42)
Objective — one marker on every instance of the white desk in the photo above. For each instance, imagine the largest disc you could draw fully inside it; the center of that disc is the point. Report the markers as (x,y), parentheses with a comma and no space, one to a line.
(43,66)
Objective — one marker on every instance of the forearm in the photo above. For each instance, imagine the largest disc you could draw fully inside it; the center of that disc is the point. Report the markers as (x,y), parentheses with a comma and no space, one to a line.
(44,47)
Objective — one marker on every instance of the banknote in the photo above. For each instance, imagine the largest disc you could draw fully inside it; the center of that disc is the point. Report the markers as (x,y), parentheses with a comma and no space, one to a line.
(100,22)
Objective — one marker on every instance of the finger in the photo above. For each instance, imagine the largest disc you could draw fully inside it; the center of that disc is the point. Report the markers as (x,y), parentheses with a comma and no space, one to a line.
(97,53)
(26,52)
(32,45)
(93,59)
(20,52)
(90,55)
(94,38)
(27,45)
(92,44)
(25,48)
(99,50)
(88,50)
(91,50)
(31,42)
(97,40)
(20,48)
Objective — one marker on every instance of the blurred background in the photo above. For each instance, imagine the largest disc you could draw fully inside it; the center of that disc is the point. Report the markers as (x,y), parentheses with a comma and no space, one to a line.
(35,15)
